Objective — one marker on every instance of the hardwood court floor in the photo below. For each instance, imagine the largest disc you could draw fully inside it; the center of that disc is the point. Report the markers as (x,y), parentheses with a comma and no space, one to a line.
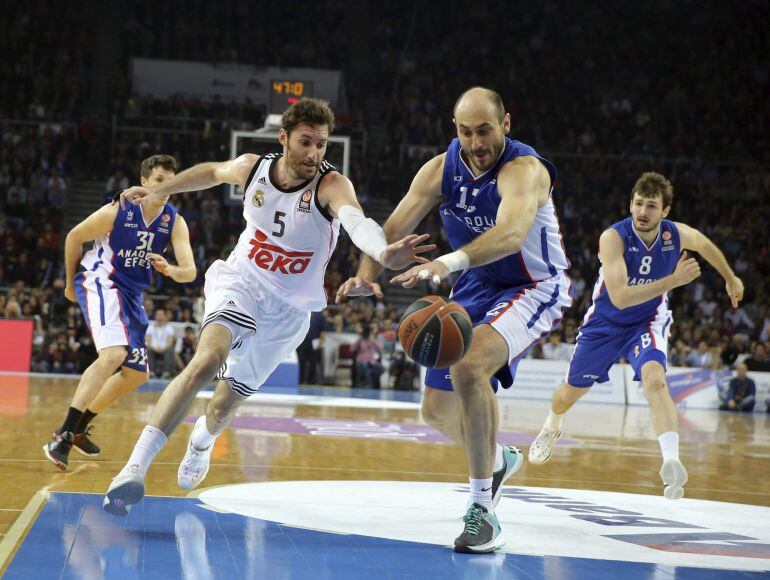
(604,447)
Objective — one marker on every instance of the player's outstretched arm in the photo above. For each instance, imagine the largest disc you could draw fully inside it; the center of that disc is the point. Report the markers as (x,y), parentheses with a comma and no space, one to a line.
(97,224)
(185,270)
(424,193)
(202,176)
(521,184)
(694,240)
(338,194)
(616,275)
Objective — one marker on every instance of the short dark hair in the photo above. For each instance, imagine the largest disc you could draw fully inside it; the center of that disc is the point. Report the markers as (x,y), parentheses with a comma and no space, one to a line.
(165,161)
(652,184)
(307,111)
(494,98)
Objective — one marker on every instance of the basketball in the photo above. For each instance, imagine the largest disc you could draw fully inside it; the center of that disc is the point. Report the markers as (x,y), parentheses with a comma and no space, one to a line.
(435,333)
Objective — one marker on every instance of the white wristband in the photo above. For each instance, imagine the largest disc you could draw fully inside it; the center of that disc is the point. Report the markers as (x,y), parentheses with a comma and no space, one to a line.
(455,261)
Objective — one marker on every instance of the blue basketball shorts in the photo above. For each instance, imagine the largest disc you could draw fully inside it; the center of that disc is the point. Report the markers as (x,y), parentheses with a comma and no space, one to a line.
(114,316)
(523,316)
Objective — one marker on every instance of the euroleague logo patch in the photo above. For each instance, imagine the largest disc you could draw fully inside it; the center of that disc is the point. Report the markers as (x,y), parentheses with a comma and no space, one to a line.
(165,218)
(304,202)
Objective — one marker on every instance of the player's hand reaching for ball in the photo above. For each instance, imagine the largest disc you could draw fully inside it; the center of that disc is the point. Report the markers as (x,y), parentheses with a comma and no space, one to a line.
(405,251)
(687,270)
(435,271)
(734,287)
(160,264)
(357,286)
(134,195)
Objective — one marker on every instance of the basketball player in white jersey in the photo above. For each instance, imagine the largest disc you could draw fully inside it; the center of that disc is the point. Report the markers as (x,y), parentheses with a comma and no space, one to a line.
(258,302)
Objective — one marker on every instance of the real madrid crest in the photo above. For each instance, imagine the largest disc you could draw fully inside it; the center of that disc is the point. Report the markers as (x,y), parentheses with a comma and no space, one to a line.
(258,199)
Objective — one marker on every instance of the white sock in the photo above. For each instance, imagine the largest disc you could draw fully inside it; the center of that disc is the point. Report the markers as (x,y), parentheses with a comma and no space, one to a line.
(499,462)
(669,445)
(151,441)
(481,492)
(201,439)
(553,421)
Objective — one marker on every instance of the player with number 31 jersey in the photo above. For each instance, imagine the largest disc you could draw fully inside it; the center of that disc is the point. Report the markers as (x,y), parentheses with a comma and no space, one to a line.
(643,257)
(108,283)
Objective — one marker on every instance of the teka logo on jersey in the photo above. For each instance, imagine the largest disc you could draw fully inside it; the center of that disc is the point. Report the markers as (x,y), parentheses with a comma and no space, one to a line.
(276,259)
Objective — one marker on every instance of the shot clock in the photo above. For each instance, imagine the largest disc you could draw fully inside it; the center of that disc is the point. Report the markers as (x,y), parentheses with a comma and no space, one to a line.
(286,92)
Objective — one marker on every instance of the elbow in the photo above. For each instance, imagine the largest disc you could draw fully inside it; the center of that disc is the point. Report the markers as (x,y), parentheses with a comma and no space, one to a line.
(617,300)
(189,276)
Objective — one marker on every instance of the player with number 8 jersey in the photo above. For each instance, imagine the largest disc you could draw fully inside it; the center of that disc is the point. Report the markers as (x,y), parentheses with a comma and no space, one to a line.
(629,317)
(108,283)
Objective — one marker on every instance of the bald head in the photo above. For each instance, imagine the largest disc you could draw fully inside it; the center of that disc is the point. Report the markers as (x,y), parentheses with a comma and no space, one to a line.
(480,102)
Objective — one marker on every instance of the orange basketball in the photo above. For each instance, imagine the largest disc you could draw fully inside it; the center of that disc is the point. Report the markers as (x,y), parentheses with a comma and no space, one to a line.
(435,333)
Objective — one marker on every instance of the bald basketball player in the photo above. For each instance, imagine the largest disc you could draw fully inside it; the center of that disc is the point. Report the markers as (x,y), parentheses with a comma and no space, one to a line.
(494,198)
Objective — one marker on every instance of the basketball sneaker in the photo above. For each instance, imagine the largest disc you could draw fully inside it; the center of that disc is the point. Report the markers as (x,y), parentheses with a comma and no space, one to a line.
(84,445)
(194,466)
(481,533)
(57,450)
(513,459)
(674,476)
(126,489)
(542,447)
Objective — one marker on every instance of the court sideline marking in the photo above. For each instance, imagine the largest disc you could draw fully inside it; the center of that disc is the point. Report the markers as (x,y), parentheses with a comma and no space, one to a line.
(13,537)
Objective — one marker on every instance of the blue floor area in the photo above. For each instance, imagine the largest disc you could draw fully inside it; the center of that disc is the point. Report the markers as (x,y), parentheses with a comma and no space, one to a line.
(177,538)
(156,385)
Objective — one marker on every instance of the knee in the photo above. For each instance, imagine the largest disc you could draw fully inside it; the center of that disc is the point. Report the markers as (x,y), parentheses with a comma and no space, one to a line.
(221,411)
(111,357)
(206,363)
(655,384)
(466,376)
(433,414)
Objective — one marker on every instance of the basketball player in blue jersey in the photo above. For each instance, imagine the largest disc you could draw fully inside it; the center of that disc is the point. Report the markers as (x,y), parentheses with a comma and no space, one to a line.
(494,197)
(127,247)
(629,317)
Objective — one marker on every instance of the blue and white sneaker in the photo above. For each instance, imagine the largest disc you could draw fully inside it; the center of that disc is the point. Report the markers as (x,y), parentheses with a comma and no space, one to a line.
(126,489)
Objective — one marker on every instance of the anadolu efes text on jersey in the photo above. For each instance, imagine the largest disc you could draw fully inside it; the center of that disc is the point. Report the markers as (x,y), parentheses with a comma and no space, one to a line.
(121,255)
(644,266)
(470,208)
(289,238)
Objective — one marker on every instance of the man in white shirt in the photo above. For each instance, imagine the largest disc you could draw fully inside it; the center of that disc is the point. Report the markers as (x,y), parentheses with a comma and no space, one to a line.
(555,349)
(160,345)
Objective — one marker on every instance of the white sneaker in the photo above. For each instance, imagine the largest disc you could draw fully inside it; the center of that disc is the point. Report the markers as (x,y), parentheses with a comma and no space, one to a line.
(194,466)
(674,476)
(126,489)
(542,446)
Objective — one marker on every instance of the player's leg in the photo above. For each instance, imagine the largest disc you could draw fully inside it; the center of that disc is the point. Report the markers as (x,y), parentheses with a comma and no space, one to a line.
(441,410)
(220,411)
(246,369)
(597,348)
(127,488)
(479,423)
(125,381)
(562,400)
(647,356)
(665,422)
(58,448)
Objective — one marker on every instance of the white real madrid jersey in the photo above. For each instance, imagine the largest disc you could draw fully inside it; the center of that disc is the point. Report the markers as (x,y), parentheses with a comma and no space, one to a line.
(289,238)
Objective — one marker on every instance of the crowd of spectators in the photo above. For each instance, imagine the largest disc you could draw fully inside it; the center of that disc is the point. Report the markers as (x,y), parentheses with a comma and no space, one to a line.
(602,116)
